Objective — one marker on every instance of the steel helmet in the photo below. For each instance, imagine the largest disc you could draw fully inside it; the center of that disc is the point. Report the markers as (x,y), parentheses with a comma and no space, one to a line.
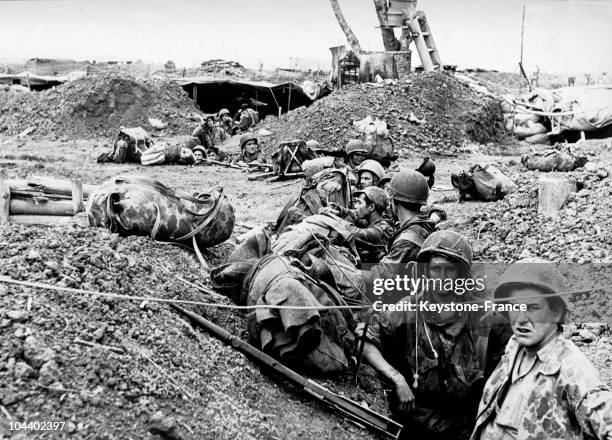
(373,167)
(199,148)
(409,186)
(355,146)
(386,178)
(447,243)
(223,111)
(376,195)
(248,137)
(312,144)
(531,272)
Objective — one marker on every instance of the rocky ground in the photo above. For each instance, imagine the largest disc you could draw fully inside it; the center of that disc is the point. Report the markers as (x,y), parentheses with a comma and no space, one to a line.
(133,369)
(95,106)
(449,115)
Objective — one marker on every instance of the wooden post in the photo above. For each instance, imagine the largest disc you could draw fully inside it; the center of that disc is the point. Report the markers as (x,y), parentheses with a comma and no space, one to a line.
(553,193)
(5,199)
(41,207)
(77,196)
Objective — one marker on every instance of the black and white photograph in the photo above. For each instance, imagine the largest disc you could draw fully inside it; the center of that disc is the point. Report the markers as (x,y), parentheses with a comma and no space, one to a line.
(306,220)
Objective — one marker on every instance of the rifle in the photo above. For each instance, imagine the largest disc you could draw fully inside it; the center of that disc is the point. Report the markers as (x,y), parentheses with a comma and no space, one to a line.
(224,164)
(352,410)
(259,165)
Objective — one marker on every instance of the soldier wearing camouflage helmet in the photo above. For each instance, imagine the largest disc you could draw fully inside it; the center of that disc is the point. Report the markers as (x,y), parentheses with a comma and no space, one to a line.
(544,387)
(369,173)
(436,362)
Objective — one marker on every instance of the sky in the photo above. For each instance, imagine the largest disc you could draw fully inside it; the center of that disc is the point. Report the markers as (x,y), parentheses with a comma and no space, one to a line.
(561,36)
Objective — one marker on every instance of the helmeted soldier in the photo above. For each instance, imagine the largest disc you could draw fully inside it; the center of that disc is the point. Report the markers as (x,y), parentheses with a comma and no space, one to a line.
(226,122)
(437,363)
(369,207)
(408,193)
(250,150)
(544,387)
(369,173)
(208,134)
(356,152)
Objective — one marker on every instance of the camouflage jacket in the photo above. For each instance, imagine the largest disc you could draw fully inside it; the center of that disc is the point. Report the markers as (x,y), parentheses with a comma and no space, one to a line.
(467,349)
(568,401)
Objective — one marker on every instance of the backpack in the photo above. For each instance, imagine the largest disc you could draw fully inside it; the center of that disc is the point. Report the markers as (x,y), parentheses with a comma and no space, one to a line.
(135,205)
(483,182)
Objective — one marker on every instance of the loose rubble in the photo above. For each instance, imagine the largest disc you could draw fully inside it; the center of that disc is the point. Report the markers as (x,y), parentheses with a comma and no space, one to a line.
(95,106)
(446,114)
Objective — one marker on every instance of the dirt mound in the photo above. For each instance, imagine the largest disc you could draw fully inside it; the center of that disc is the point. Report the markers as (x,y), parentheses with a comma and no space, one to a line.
(452,114)
(141,369)
(95,106)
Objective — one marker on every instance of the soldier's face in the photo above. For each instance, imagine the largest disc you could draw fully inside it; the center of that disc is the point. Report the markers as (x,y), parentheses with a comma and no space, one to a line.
(251,147)
(198,156)
(210,123)
(366,179)
(538,323)
(362,207)
(442,268)
(226,118)
(357,158)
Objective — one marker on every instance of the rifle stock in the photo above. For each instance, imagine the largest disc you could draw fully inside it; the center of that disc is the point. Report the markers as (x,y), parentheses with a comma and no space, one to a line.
(352,410)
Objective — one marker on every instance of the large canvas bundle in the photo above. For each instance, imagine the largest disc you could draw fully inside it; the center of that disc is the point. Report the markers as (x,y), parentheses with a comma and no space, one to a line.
(133,205)
(552,160)
(484,182)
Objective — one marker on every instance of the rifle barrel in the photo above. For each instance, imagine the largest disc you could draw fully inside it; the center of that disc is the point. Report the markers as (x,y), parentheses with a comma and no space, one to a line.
(352,410)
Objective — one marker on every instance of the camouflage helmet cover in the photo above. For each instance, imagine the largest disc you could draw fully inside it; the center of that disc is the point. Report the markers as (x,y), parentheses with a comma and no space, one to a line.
(531,272)
(447,243)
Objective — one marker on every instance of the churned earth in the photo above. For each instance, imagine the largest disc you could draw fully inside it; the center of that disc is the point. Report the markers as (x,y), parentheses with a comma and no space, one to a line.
(115,369)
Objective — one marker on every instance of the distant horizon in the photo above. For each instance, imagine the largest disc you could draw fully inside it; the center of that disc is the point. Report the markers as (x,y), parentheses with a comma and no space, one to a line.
(268,69)
(563,37)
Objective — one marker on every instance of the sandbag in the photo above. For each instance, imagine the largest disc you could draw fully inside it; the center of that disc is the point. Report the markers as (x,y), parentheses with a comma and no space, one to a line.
(529,128)
(552,160)
(135,205)
(538,139)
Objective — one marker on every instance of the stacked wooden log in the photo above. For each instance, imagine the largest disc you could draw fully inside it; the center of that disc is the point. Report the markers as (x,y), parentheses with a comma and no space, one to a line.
(41,200)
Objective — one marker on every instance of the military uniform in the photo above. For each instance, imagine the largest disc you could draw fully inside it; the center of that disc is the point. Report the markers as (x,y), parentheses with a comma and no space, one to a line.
(209,137)
(371,240)
(258,157)
(564,398)
(450,379)
(403,247)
